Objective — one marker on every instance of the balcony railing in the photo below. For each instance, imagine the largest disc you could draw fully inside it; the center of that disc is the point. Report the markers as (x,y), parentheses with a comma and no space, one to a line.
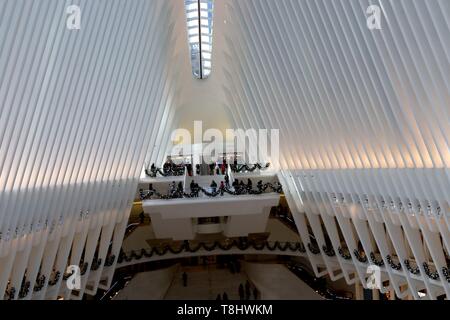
(237,190)
(186,246)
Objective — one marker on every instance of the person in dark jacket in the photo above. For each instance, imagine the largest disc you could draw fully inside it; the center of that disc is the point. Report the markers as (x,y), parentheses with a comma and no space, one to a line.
(260,185)
(197,189)
(227,181)
(247,290)
(223,166)
(213,186)
(241,292)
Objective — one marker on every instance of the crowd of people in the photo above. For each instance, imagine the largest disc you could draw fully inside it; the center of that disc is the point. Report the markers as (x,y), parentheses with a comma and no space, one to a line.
(245,291)
(238,185)
(170,168)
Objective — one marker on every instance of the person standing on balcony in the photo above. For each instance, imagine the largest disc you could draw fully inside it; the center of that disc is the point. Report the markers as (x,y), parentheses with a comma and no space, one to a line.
(249,184)
(227,181)
(223,167)
(172,188)
(168,165)
(189,169)
(213,186)
(260,185)
(197,190)
(241,186)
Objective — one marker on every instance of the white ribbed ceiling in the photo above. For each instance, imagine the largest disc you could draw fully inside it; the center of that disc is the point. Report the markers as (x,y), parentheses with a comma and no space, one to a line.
(78,108)
(343,95)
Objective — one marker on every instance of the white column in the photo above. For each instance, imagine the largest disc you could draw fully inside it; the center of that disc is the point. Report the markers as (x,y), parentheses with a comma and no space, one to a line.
(375,294)
(359,291)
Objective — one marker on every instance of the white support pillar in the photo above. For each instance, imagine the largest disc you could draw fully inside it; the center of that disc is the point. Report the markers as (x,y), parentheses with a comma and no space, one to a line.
(359,291)
(375,294)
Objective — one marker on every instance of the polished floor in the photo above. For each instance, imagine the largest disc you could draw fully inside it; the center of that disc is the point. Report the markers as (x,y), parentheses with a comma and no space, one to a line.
(151,285)
(273,282)
(276,282)
(205,283)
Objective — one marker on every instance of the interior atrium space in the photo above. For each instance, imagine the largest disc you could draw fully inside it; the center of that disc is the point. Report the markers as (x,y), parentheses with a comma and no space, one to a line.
(211,150)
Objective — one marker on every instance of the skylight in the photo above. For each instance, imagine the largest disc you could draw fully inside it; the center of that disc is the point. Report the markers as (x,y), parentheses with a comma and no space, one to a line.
(199,15)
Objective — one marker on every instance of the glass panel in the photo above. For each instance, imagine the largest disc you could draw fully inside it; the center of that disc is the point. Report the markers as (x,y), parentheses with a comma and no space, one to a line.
(192,14)
(192,23)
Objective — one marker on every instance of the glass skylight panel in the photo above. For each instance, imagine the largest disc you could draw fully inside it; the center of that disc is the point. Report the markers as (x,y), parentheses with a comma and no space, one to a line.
(199,18)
